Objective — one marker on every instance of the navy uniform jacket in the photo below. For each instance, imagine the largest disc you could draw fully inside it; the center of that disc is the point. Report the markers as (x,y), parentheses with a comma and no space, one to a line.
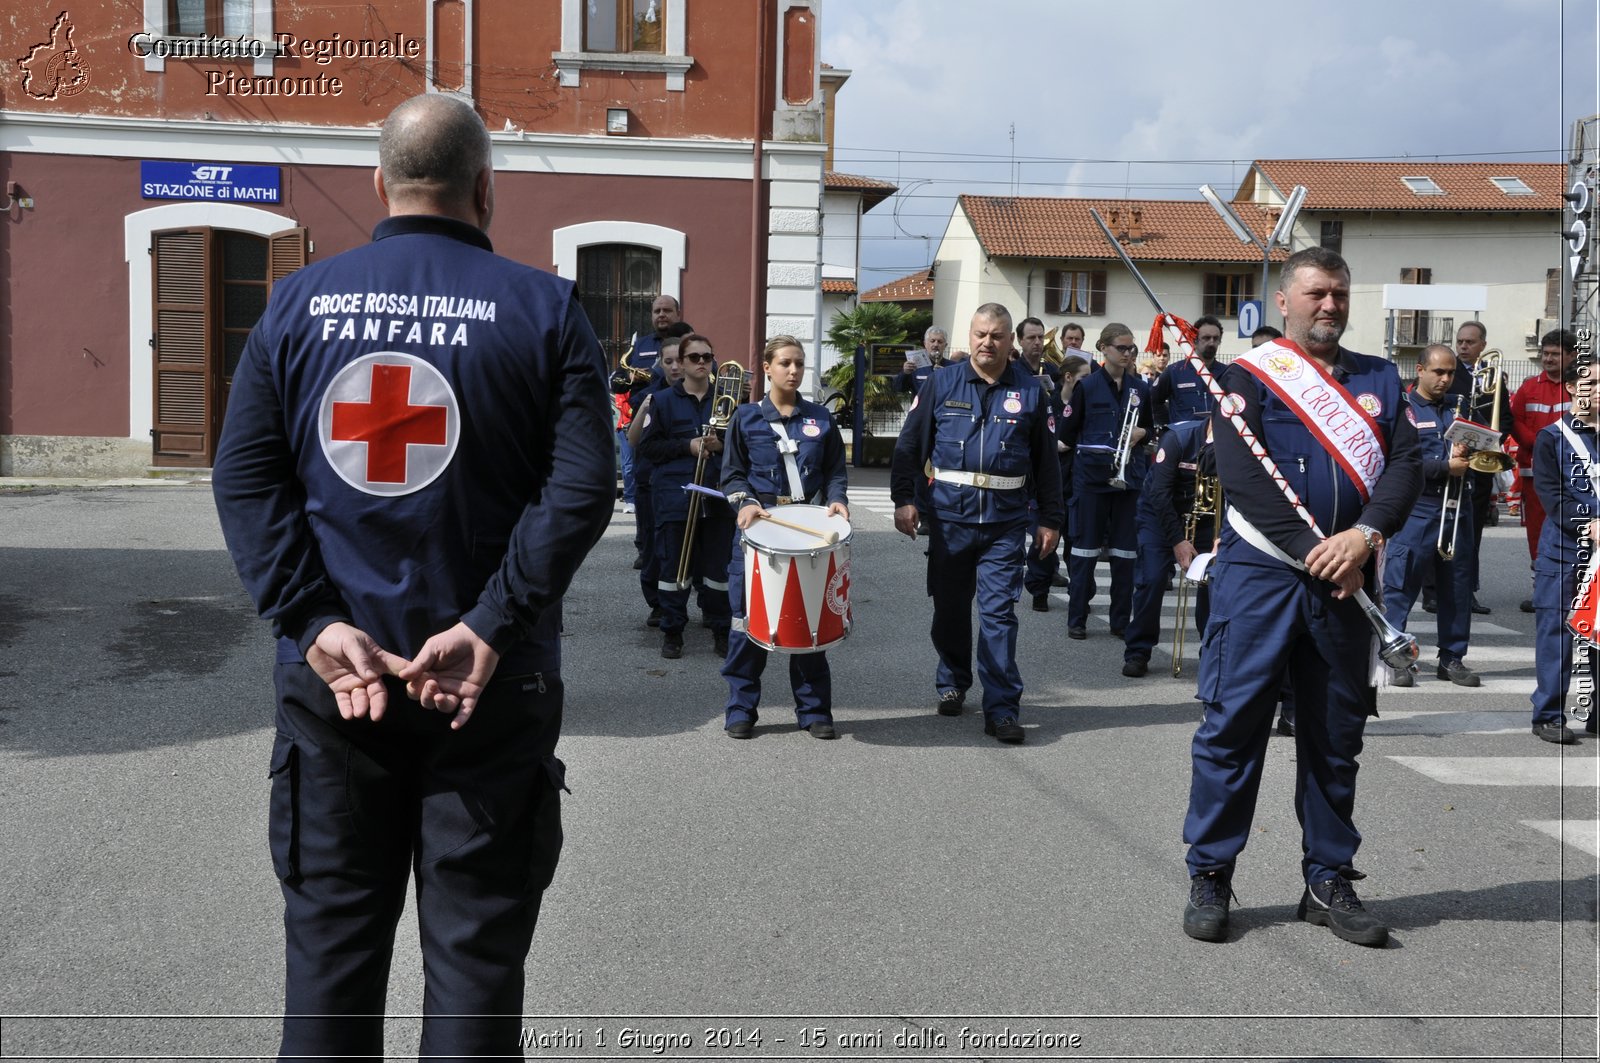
(643,471)
(1169,492)
(320,478)
(1093,421)
(1561,476)
(1483,410)
(961,422)
(911,383)
(1180,395)
(676,418)
(754,470)
(1321,484)
(1432,420)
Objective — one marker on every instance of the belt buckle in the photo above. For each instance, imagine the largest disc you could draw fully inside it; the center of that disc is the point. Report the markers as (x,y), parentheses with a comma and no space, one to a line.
(980,479)
(784,500)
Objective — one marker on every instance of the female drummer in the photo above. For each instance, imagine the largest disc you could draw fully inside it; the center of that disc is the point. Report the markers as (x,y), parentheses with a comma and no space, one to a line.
(756,477)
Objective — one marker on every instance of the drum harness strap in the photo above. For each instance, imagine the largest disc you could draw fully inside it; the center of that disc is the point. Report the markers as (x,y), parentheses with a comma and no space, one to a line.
(788,448)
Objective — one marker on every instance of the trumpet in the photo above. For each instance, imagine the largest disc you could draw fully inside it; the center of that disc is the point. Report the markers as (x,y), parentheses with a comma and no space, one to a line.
(1488,378)
(1130,421)
(729,389)
(1207,504)
(1450,508)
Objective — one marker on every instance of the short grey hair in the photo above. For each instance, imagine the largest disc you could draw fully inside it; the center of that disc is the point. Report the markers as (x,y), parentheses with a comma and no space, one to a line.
(433,145)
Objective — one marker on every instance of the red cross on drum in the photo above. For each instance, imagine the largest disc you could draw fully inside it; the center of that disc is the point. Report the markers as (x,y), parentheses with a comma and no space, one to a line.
(389,423)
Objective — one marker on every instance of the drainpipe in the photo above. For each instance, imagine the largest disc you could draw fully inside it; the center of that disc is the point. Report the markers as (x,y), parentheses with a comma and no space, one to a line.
(757,228)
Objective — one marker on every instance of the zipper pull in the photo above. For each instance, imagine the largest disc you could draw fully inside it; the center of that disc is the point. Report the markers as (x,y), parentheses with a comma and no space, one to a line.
(1302,466)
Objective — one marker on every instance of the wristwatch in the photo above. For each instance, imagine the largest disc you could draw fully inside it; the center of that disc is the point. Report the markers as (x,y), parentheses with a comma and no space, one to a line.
(1372,536)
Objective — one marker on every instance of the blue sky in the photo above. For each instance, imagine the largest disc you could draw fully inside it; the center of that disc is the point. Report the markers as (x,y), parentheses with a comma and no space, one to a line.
(1151,98)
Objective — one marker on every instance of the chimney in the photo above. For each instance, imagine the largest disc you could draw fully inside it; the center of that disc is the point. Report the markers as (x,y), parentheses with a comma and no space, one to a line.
(1116,224)
(1135,228)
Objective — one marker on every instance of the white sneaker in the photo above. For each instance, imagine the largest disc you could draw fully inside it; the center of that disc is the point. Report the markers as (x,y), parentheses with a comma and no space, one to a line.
(627,507)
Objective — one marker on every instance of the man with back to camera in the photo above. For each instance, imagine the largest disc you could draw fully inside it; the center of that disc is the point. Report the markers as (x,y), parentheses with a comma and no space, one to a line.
(981,430)
(416,483)
(1281,594)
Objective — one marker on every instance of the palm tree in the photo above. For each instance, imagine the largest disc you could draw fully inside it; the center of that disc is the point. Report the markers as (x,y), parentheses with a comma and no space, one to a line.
(866,324)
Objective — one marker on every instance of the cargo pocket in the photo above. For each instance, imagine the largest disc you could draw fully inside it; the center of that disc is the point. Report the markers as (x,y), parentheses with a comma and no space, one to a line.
(283,826)
(1213,654)
(544,821)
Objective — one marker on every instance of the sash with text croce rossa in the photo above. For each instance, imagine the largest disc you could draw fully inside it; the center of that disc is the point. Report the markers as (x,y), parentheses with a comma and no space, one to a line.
(1343,423)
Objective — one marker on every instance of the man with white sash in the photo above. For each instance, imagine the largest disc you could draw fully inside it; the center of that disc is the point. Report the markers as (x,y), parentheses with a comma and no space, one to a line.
(1332,423)
(1566,473)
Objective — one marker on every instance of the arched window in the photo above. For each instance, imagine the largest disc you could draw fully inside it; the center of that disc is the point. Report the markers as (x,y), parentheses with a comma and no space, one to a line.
(616,285)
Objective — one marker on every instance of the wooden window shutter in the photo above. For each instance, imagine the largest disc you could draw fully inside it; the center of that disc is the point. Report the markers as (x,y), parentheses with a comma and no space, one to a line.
(1097,293)
(1053,295)
(286,253)
(182,273)
(1552,293)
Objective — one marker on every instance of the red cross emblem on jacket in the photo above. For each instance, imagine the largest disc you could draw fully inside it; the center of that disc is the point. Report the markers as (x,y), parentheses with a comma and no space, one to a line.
(389,423)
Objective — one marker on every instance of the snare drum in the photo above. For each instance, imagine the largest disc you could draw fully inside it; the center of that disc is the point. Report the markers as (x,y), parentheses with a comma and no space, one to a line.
(797,587)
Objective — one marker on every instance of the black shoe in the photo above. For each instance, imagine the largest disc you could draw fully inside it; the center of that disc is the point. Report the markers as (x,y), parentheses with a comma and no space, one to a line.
(1430,604)
(638,563)
(1134,667)
(1457,672)
(1558,733)
(1479,608)
(1077,633)
(950,702)
(1117,632)
(1058,580)
(1041,603)
(719,643)
(822,729)
(1527,605)
(654,619)
(1334,904)
(1006,729)
(672,645)
(1205,918)
(1285,727)
(1402,677)
(740,729)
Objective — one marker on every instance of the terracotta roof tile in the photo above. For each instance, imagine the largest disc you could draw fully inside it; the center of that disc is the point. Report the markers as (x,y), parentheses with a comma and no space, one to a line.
(832,286)
(1377,185)
(918,287)
(833,179)
(1055,227)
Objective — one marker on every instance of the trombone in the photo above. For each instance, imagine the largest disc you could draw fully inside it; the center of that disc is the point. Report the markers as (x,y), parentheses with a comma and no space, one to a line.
(1130,421)
(728,390)
(1450,503)
(1488,378)
(1207,504)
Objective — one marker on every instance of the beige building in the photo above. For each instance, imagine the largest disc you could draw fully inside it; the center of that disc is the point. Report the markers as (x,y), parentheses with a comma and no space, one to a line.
(1490,224)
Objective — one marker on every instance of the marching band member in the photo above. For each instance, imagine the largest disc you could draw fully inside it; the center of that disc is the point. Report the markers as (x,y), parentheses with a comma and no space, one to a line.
(1566,473)
(1039,574)
(673,438)
(1333,422)
(983,428)
(1540,401)
(667,372)
(1415,548)
(1179,394)
(1104,515)
(784,449)
(1164,504)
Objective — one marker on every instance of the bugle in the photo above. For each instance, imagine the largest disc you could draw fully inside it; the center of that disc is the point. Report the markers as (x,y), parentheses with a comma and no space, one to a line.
(727,392)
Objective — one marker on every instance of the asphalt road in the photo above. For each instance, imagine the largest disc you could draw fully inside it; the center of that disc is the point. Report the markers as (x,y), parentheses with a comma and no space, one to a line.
(910,881)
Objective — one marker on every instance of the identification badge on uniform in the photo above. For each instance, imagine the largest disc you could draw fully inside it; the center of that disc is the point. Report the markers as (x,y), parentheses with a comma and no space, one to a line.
(956,404)
(1371,403)
(1013,405)
(809,428)
(1425,424)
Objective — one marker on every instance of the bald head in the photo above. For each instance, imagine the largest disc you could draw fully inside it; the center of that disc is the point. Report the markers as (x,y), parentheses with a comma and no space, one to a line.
(433,158)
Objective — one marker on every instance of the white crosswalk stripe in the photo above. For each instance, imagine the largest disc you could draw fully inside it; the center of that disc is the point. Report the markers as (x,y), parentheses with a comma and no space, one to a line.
(1573,771)
(875,499)
(1579,833)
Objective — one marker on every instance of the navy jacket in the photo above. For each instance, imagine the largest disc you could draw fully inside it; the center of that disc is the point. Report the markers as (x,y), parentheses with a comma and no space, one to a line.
(419,433)
(1180,395)
(1093,422)
(1316,478)
(1561,476)
(961,422)
(1432,420)
(753,467)
(677,418)
(1168,494)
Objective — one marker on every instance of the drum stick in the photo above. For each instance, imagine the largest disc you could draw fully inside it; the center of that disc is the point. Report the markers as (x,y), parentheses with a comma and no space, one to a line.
(829,537)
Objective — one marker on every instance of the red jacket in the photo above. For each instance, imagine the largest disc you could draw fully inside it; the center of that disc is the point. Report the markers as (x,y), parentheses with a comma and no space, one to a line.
(1540,401)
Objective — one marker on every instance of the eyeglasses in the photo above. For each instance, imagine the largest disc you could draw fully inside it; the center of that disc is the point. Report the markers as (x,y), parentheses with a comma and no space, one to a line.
(703,356)
(1125,348)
